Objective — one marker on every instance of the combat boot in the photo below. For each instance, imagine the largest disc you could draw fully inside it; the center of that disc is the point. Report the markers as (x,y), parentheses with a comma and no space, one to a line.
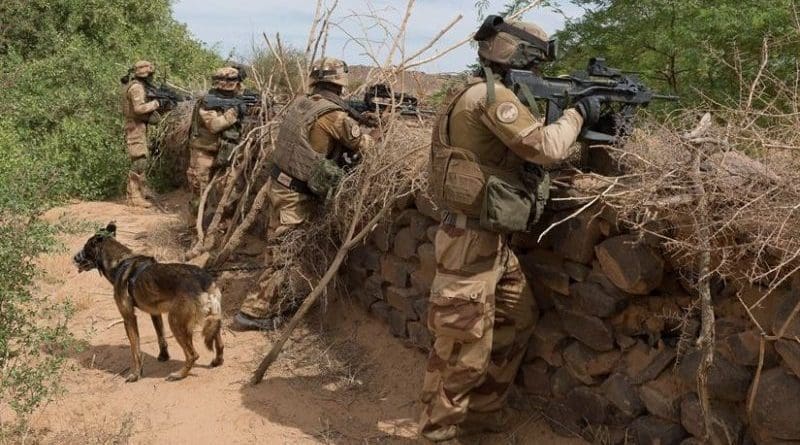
(441,434)
(136,197)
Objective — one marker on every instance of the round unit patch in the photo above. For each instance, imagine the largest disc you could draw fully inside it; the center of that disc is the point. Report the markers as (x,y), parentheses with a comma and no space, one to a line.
(355,131)
(507,112)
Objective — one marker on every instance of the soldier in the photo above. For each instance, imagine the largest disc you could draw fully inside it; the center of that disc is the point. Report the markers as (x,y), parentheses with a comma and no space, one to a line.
(481,309)
(317,129)
(213,135)
(138,113)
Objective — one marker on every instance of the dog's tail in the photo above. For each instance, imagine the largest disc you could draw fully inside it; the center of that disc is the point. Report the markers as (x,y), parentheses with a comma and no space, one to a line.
(212,315)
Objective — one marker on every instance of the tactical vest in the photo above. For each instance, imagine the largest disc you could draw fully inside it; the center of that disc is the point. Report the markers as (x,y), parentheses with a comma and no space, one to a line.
(127,105)
(293,153)
(504,196)
(201,138)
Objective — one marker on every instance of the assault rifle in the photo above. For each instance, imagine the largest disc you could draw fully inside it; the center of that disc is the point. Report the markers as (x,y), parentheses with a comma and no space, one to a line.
(379,98)
(245,102)
(623,94)
(167,97)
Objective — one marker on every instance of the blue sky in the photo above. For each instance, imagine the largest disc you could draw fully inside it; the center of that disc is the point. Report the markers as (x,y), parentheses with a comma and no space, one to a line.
(233,26)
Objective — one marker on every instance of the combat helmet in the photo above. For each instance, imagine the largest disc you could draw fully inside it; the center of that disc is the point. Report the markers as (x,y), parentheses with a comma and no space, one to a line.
(514,44)
(329,70)
(227,78)
(143,68)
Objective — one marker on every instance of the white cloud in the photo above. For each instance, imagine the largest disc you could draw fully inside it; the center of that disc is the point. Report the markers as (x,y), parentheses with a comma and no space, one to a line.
(233,26)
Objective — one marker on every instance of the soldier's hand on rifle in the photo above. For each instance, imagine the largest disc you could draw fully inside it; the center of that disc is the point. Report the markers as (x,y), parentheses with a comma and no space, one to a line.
(241,110)
(589,108)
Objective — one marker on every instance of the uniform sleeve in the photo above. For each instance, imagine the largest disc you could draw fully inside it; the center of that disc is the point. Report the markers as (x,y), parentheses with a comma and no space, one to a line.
(216,121)
(344,129)
(137,96)
(527,136)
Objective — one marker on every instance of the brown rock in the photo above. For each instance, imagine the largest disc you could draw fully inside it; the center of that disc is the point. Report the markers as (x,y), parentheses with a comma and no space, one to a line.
(726,380)
(371,291)
(397,323)
(590,330)
(589,404)
(631,265)
(623,395)
(726,426)
(394,270)
(637,320)
(576,271)
(402,299)
(590,298)
(421,281)
(637,358)
(425,205)
(404,202)
(536,378)
(367,257)
(547,338)
(789,350)
(588,362)
(775,407)
(381,310)
(382,236)
(405,244)
(525,241)
(421,308)
(356,275)
(427,257)
(419,335)
(430,233)
(651,430)
(545,297)
(562,419)
(416,222)
(548,268)
(662,397)
(663,359)
(562,382)
(743,349)
(576,238)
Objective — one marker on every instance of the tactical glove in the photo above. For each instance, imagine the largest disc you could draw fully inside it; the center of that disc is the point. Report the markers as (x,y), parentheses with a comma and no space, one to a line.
(589,108)
(163,103)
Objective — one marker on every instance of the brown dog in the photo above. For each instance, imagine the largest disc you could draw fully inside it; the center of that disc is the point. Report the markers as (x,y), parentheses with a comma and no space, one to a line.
(186,293)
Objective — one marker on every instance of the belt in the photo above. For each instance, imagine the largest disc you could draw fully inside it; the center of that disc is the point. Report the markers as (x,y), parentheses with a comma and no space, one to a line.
(289,182)
(460,221)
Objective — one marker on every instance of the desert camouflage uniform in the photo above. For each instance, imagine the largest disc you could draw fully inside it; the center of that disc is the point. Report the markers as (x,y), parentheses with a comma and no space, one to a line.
(289,208)
(137,111)
(481,309)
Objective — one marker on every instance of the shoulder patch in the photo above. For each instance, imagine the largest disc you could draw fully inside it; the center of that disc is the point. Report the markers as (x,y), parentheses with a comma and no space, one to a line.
(355,131)
(507,112)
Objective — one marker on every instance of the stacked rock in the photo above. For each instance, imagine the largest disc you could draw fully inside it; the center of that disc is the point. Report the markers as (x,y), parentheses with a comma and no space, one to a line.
(612,357)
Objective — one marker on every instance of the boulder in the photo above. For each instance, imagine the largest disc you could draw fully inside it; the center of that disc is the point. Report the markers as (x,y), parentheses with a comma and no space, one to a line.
(743,349)
(426,206)
(662,396)
(592,299)
(536,378)
(562,419)
(366,256)
(402,300)
(775,408)
(589,404)
(405,244)
(576,238)
(789,350)
(397,323)
(371,291)
(421,308)
(382,235)
(415,221)
(577,271)
(562,382)
(421,281)
(584,361)
(381,310)
(430,233)
(547,338)
(651,430)
(726,380)
(660,362)
(623,395)
(395,271)
(590,330)
(726,426)
(548,268)
(630,264)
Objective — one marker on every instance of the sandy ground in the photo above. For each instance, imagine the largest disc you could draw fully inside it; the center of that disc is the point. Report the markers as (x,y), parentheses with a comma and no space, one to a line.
(342,379)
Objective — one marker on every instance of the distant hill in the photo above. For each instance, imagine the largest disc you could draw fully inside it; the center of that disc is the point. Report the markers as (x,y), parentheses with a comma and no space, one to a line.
(416,83)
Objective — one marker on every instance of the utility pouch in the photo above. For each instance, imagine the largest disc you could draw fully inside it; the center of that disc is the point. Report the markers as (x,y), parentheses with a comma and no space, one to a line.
(506,206)
(457,181)
(324,178)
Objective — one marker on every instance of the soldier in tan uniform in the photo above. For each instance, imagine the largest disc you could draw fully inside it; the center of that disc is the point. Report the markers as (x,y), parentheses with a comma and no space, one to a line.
(481,309)
(315,133)
(214,133)
(138,113)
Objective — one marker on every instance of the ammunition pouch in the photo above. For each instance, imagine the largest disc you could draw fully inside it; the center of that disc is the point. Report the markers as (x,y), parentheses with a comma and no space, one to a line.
(325,177)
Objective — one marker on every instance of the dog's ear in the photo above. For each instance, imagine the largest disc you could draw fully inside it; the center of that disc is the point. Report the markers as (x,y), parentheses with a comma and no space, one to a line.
(111,228)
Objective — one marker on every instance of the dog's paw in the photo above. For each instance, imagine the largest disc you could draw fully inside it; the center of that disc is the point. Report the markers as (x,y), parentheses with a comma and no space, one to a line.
(217,362)
(163,356)
(132,378)
(175,376)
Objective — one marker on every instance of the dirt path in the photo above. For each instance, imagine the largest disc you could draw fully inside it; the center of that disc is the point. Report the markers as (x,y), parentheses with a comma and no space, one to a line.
(343,379)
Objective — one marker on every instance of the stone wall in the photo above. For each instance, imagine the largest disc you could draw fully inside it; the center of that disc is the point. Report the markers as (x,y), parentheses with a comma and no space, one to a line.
(612,356)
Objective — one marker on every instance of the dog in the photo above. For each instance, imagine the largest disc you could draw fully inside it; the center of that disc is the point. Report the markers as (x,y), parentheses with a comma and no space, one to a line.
(186,293)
